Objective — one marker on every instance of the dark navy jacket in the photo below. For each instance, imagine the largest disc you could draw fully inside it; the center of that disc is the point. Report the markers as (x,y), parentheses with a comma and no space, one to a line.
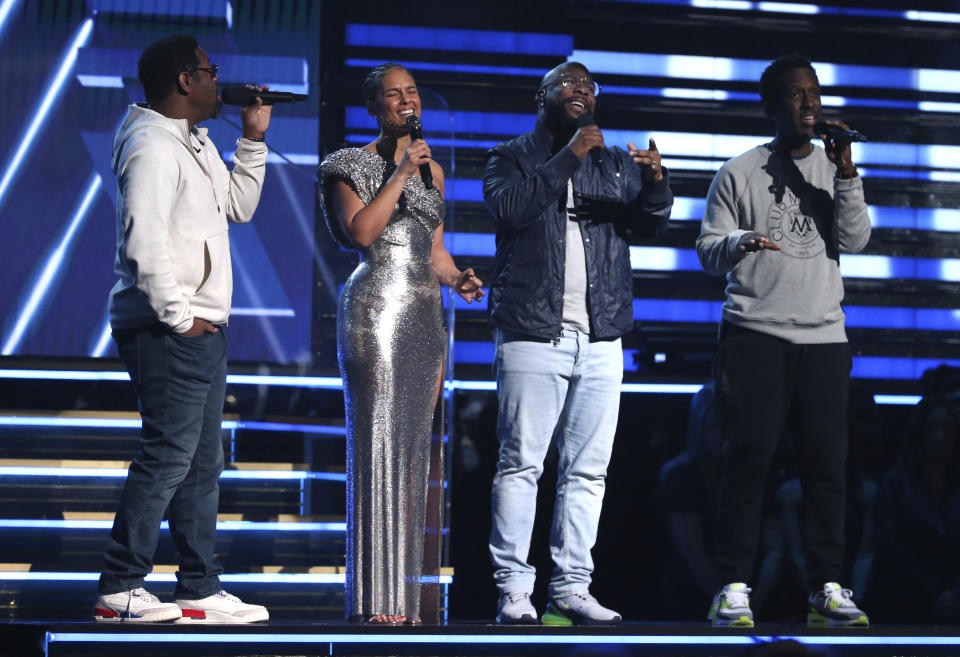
(525,187)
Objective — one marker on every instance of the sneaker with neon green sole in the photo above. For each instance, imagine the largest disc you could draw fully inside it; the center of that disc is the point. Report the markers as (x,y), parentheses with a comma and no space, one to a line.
(731,606)
(833,606)
(578,609)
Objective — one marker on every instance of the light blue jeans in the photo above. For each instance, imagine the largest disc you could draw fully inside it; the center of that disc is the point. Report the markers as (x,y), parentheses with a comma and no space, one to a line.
(570,390)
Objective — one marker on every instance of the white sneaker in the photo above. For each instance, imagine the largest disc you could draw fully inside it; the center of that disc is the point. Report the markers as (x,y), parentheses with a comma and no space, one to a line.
(136,606)
(578,609)
(515,608)
(221,607)
(731,606)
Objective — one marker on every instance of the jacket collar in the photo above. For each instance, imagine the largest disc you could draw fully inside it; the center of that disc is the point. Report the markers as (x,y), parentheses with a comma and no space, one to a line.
(542,139)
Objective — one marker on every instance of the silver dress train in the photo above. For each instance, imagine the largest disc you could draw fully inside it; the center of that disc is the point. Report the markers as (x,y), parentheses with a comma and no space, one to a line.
(391,343)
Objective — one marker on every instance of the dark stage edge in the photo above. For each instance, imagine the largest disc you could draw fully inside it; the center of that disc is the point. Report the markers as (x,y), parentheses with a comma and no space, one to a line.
(26,639)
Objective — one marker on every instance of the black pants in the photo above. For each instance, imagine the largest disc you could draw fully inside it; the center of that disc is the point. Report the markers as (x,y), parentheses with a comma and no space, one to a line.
(761,381)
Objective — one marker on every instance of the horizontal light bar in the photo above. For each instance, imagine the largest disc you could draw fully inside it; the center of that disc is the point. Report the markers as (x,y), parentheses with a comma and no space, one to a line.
(899,400)
(695,67)
(492,385)
(244,578)
(427,38)
(101,81)
(495,639)
(435,142)
(223,525)
(452,68)
(134,423)
(807,9)
(52,471)
(688,310)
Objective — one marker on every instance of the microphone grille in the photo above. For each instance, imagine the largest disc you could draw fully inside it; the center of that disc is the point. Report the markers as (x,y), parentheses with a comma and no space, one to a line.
(586,119)
(413,122)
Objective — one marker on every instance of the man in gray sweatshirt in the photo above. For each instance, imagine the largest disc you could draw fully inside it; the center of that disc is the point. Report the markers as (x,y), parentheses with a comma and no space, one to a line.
(777,218)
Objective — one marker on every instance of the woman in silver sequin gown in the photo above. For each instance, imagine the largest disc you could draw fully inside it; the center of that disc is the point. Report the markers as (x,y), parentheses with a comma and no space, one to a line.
(391,343)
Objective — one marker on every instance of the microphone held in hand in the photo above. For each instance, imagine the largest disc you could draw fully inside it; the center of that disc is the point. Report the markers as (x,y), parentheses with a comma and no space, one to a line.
(838,133)
(245,96)
(415,128)
(596,153)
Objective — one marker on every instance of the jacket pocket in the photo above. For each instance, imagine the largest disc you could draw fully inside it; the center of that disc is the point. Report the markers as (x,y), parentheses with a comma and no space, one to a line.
(216,250)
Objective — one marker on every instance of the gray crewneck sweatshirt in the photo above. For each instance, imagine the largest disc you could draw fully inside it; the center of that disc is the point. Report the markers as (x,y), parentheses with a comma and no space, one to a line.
(799,204)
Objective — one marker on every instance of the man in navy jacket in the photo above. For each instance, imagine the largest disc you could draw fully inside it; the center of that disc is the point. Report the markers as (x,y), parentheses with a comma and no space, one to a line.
(565,207)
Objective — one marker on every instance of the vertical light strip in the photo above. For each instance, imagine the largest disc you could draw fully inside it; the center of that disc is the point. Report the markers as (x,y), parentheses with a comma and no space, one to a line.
(40,115)
(6,8)
(103,341)
(51,268)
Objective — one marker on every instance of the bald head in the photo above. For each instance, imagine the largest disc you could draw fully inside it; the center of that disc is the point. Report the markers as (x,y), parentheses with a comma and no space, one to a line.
(567,67)
(566,93)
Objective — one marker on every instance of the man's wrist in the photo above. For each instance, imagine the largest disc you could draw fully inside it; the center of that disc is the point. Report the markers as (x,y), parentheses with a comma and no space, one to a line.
(260,138)
(847,174)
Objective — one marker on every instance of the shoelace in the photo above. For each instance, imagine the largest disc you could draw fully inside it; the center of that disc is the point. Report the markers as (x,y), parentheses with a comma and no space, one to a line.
(738,598)
(516,596)
(228,596)
(842,596)
(586,597)
(144,595)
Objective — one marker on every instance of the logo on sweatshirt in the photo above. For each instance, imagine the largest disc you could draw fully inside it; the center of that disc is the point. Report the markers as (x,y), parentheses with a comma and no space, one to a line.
(793,231)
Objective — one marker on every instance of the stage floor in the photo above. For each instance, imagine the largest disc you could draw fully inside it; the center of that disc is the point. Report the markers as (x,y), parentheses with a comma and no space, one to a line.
(26,639)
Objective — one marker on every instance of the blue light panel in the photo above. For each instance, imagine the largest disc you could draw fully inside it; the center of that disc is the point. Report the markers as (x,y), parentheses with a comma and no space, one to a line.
(199,9)
(695,67)
(420,38)
(46,104)
(452,68)
(486,123)
(807,9)
(51,269)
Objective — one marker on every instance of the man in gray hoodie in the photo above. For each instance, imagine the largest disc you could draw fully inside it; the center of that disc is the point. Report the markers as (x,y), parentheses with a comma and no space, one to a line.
(169,311)
(777,218)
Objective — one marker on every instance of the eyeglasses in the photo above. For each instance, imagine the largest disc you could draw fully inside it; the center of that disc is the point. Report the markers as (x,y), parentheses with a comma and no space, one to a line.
(212,69)
(574,81)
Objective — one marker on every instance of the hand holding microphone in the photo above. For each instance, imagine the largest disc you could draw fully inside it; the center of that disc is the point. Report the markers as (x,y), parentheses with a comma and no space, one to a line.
(837,137)
(256,102)
(415,128)
(588,139)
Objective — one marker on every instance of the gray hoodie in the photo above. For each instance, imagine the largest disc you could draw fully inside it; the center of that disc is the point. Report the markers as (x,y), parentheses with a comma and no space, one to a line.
(175,199)
(799,204)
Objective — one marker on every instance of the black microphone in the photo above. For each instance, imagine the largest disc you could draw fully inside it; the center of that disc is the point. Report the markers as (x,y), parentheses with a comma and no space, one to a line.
(245,96)
(415,128)
(596,153)
(838,133)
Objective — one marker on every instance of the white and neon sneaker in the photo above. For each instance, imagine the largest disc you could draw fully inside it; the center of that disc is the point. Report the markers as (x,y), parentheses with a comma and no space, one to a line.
(833,606)
(731,606)
(221,607)
(515,608)
(578,609)
(135,606)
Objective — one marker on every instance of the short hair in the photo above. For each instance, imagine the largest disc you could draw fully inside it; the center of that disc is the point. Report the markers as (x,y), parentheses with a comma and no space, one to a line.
(373,83)
(771,82)
(162,62)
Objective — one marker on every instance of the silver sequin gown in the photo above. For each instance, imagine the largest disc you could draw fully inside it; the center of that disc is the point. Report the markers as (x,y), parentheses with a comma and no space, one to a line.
(391,343)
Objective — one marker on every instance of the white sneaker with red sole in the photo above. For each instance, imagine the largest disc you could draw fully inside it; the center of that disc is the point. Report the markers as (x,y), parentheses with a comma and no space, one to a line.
(134,606)
(221,607)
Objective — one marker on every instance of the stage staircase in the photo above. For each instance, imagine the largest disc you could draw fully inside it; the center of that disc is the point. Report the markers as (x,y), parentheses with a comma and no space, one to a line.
(280,528)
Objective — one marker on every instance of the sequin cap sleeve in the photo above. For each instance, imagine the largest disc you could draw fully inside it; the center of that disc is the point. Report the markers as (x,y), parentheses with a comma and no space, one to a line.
(359,169)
